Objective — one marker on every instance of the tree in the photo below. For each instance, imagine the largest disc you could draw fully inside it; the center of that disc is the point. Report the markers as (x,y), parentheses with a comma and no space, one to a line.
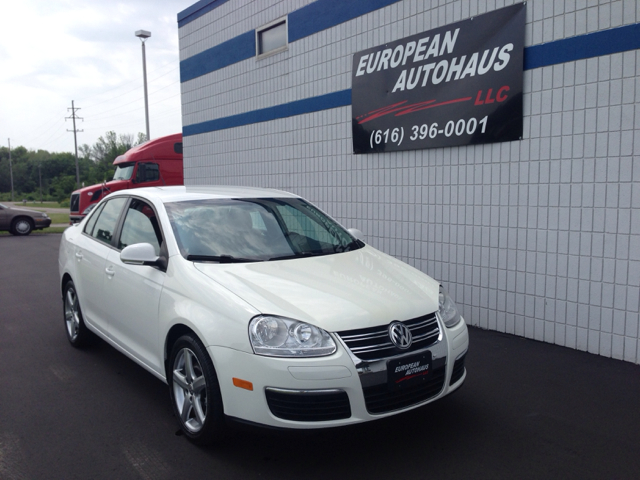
(57,170)
(105,151)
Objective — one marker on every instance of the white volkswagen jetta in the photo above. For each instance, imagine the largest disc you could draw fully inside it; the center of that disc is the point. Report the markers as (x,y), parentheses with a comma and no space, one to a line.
(255,305)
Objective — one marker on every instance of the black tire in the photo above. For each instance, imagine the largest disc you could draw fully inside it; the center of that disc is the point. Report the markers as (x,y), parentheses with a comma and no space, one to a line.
(195,392)
(77,333)
(22,226)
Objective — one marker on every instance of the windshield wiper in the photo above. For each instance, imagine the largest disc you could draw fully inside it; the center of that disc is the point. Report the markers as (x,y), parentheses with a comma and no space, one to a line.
(221,259)
(300,255)
(355,245)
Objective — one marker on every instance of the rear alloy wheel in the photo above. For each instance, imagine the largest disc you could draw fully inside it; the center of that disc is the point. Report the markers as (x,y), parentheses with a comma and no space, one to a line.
(195,394)
(22,226)
(77,332)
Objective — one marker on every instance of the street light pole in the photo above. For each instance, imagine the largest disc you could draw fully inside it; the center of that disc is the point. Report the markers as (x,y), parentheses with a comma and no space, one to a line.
(143,35)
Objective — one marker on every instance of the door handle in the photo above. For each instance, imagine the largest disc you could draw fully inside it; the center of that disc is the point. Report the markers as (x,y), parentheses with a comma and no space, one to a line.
(110,271)
(79,256)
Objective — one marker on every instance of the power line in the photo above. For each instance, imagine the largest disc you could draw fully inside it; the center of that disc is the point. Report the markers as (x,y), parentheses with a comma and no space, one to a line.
(166,86)
(125,84)
(51,125)
(48,141)
(51,122)
(163,114)
(51,131)
(101,114)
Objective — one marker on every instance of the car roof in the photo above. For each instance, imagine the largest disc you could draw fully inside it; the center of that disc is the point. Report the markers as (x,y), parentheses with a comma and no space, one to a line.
(183,193)
(162,148)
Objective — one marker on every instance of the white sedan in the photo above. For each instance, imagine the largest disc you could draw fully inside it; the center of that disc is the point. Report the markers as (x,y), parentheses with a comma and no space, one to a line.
(253,304)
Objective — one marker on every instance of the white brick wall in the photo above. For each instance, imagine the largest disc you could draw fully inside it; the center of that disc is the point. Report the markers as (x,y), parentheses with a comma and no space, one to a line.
(538,238)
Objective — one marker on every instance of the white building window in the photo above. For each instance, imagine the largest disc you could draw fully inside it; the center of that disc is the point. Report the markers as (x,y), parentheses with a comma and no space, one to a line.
(272,38)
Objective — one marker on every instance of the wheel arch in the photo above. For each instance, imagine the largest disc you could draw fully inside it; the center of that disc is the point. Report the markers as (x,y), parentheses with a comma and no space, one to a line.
(66,278)
(23,217)
(174,333)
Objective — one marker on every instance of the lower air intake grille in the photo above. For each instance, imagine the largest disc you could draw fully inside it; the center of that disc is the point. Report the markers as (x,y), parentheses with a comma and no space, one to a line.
(379,399)
(374,343)
(309,405)
(458,370)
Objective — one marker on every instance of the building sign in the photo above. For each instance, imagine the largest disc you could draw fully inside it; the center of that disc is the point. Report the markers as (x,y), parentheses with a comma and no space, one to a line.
(456,85)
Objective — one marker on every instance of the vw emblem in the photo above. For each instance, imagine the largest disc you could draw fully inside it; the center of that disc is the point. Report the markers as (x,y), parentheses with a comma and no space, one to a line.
(400,335)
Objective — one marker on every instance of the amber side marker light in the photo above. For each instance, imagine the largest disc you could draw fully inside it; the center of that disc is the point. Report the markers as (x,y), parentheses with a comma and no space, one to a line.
(243,384)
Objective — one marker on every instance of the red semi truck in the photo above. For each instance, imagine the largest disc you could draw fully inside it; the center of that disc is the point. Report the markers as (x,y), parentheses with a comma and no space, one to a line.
(154,163)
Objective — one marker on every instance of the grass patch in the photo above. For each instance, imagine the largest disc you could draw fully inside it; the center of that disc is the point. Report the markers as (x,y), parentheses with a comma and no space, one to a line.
(41,205)
(59,217)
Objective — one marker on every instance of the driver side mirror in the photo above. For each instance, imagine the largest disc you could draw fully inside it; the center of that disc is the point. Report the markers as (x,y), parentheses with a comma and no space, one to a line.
(142,254)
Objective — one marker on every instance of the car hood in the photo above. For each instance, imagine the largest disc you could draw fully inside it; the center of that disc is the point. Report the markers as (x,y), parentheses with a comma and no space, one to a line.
(336,292)
(26,210)
(112,185)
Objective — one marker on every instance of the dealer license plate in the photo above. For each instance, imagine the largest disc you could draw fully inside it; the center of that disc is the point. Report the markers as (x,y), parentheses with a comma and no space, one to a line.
(407,371)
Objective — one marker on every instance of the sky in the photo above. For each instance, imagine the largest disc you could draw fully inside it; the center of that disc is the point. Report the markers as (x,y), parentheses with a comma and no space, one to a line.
(56,51)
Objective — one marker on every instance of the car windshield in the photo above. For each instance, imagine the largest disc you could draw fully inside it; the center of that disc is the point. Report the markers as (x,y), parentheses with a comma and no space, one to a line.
(249,230)
(123,171)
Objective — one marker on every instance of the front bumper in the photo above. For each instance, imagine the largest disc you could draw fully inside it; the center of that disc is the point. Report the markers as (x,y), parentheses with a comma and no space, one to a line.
(301,393)
(42,222)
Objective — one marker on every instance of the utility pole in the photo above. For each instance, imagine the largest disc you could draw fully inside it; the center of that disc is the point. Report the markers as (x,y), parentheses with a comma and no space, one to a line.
(40,177)
(10,168)
(75,139)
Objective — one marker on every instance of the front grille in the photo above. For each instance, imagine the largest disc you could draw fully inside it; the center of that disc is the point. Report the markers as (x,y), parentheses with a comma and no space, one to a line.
(374,343)
(75,202)
(309,405)
(380,399)
(458,370)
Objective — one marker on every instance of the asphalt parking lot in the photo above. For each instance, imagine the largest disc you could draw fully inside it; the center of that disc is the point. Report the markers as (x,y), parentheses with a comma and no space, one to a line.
(527,410)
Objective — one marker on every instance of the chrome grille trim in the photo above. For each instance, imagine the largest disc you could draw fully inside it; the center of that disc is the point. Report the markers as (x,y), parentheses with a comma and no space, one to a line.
(75,203)
(374,343)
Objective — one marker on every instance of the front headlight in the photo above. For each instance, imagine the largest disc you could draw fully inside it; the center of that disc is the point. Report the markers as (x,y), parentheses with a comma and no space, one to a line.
(284,337)
(448,310)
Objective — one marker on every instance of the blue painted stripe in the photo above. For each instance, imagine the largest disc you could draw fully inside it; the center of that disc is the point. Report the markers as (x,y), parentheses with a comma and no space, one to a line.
(197,10)
(299,107)
(232,51)
(324,14)
(313,18)
(606,42)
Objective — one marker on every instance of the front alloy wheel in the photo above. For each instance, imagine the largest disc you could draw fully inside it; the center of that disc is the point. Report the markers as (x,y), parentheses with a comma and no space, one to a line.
(77,332)
(190,390)
(195,393)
